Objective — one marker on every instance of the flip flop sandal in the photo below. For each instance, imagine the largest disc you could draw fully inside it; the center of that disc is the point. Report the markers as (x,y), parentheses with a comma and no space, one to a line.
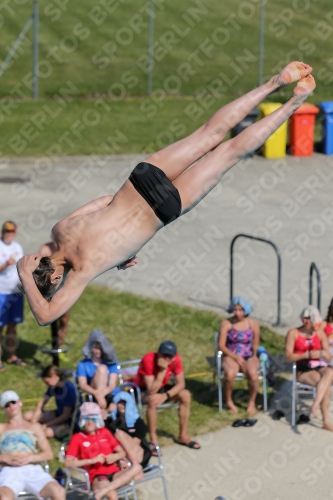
(239,423)
(278,414)
(2,367)
(250,422)
(191,444)
(303,419)
(154,451)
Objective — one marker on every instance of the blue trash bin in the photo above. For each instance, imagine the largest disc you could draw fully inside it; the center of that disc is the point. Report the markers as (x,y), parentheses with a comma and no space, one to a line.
(327,127)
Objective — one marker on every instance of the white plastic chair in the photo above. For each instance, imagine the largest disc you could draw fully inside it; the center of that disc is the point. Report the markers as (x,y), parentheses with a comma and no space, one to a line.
(239,376)
(298,388)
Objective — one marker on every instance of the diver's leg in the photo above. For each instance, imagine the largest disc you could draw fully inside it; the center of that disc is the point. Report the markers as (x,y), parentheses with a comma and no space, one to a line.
(177,157)
(196,182)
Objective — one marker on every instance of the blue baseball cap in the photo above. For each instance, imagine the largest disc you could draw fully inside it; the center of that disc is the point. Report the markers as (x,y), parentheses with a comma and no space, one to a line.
(168,348)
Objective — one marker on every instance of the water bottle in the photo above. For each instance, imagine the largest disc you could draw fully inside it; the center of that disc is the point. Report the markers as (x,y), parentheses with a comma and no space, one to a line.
(60,476)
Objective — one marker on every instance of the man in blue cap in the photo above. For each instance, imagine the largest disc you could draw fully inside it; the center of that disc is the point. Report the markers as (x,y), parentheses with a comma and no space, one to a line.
(153,376)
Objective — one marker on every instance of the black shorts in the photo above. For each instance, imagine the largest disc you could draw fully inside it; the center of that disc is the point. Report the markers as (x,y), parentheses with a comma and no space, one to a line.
(158,191)
(303,367)
(165,389)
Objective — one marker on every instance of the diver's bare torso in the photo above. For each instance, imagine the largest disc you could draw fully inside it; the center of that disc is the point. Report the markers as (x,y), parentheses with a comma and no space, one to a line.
(98,241)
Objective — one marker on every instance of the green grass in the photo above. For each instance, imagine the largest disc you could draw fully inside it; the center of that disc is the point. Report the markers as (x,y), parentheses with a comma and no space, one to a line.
(104,65)
(136,325)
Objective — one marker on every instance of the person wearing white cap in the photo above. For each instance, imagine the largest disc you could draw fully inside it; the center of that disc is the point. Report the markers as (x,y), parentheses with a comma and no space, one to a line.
(308,346)
(19,456)
(96,450)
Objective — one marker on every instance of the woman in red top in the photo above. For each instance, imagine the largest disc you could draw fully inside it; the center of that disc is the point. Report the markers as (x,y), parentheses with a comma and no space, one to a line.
(308,346)
(96,450)
(328,324)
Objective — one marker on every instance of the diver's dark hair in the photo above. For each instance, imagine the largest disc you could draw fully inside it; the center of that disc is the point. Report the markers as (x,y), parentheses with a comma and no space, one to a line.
(329,317)
(42,275)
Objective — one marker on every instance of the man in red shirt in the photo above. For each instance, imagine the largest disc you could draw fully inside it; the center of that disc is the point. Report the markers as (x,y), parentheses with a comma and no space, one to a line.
(153,376)
(96,450)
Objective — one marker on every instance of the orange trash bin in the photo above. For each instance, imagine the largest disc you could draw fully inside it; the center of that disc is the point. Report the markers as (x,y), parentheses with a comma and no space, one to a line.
(301,130)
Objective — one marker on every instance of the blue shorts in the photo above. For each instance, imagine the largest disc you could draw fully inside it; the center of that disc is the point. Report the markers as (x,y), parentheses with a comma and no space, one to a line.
(11,308)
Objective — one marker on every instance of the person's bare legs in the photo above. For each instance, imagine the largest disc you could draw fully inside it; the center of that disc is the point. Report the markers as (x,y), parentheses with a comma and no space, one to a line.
(99,486)
(322,381)
(63,327)
(119,479)
(324,405)
(151,421)
(6,493)
(231,368)
(11,343)
(324,384)
(196,182)
(100,378)
(177,157)
(251,372)
(312,377)
(2,368)
(54,491)
(133,450)
(184,399)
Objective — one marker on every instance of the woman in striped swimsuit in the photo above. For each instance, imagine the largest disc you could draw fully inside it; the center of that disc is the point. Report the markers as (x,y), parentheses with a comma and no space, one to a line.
(239,341)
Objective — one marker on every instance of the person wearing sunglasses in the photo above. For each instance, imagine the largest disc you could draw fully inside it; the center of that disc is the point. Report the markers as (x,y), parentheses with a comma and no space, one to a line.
(19,456)
(98,452)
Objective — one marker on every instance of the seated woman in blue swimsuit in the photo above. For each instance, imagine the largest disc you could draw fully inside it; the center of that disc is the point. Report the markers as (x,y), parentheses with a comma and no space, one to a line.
(109,231)
(239,341)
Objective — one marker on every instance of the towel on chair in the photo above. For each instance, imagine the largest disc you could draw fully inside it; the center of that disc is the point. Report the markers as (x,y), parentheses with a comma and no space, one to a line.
(96,335)
(131,411)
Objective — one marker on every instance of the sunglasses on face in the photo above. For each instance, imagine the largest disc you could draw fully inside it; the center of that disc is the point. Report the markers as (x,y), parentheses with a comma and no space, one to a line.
(93,419)
(7,405)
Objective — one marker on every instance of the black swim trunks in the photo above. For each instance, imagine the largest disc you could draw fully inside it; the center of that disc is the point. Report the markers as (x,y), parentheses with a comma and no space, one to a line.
(158,191)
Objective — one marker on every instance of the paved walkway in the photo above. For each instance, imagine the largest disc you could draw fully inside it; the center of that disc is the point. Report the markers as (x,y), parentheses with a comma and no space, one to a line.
(269,461)
(288,201)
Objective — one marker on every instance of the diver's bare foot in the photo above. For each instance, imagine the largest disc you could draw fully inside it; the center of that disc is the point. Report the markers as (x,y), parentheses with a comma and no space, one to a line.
(231,407)
(304,88)
(292,73)
(328,426)
(314,410)
(251,409)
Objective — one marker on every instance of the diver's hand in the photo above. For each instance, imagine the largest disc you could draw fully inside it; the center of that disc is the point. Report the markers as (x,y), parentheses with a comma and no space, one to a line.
(28,263)
(128,263)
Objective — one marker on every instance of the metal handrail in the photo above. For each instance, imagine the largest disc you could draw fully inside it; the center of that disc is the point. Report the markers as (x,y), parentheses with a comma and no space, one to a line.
(242,235)
(313,267)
